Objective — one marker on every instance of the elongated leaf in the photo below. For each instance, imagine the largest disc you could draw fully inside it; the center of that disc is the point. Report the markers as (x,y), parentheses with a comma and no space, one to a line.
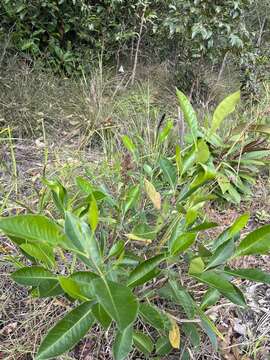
(33,228)
(210,298)
(225,108)
(59,194)
(143,342)
(210,329)
(169,171)
(67,332)
(73,230)
(182,242)
(250,274)
(196,266)
(174,335)
(202,153)
(163,346)
(232,231)
(49,288)
(239,224)
(204,226)
(189,114)
(218,282)
(102,316)
(191,333)
(73,289)
(153,195)
(183,298)
(117,249)
(153,316)
(33,276)
(93,214)
(221,255)
(40,251)
(84,185)
(144,268)
(131,197)
(257,242)
(178,160)
(123,343)
(82,238)
(165,132)
(128,143)
(117,300)
(138,238)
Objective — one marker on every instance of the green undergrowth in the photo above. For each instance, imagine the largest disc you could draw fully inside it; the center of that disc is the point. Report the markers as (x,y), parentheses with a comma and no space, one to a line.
(124,238)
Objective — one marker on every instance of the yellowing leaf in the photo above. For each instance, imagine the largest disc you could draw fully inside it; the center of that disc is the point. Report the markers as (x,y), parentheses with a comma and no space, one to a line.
(93,214)
(137,238)
(174,335)
(153,195)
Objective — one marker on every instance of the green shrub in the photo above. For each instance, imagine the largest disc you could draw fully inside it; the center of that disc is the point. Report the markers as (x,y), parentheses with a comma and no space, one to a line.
(235,158)
(127,248)
(64,33)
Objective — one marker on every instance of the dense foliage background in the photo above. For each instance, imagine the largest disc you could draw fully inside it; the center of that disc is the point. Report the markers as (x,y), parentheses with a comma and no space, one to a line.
(71,35)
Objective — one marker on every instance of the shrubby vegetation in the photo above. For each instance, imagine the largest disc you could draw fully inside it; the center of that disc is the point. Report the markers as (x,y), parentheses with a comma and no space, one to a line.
(128,244)
(72,35)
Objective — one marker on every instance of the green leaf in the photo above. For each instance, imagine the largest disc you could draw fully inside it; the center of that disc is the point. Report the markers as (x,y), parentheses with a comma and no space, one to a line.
(239,224)
(102,316)
(204,226)
(225,108)
(67,332)
(169,171)
(189,114)
(183,298)
(210,329)
(191,333)
(123,343)
(257,242)
(202,153)
(131,198)
(217,281)
(42,252)
(153,316)
(182,243)
(49,288)
(221,255)
(73,289)
(117,300)
(196,266)
(210,298)
(84,185)
(137,276)
(232,231)
(178,160)
(33,276)
(163,346)
(93,214)
(165,132)
(143,342)
(33,228)
(117,248)
(250,274)
(82,238)
(128,143)
(59,194)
